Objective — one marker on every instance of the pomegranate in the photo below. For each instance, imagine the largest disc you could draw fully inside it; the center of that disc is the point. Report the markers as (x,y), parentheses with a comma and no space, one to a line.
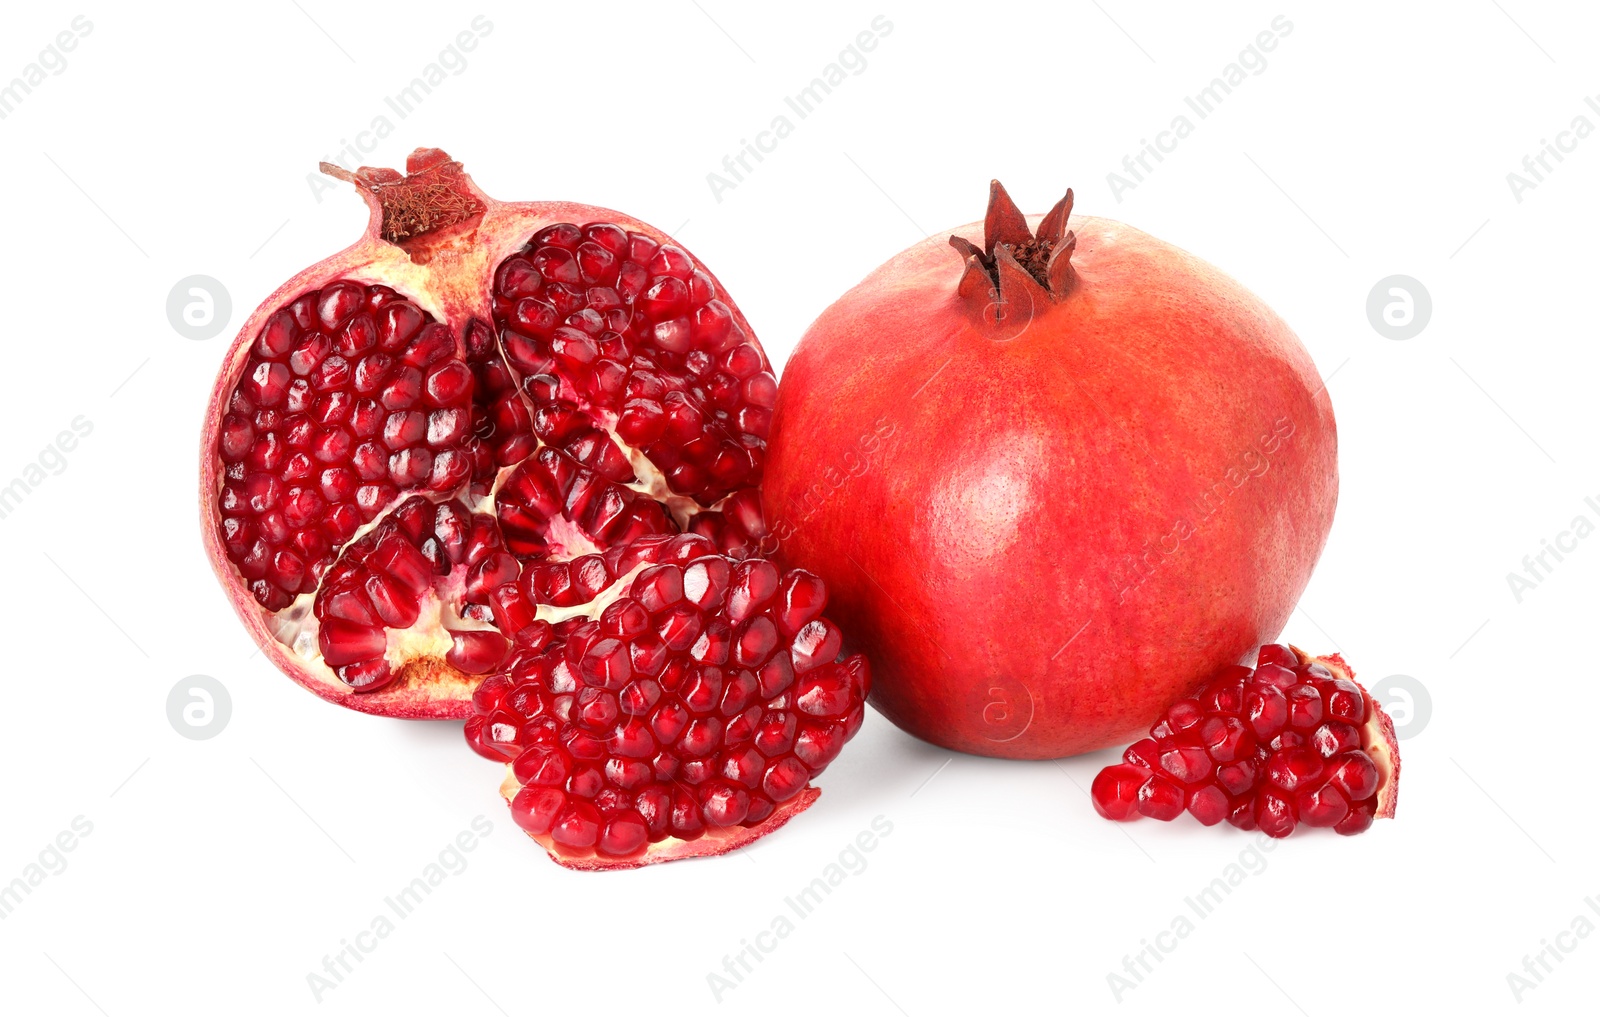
(426,443)
(1053,481)
(1294,740)
(681,709)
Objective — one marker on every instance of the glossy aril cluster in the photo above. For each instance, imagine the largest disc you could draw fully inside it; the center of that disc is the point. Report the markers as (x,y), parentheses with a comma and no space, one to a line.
(1294,740)
(351,395)
(588,503)
(700,695)
(612,328)
(502,421)
(422,557)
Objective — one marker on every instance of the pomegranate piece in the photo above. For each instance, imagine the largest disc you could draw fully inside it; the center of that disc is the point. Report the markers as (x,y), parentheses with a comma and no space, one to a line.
(1294,740)
(1047,450)
(421,446)
(681,710)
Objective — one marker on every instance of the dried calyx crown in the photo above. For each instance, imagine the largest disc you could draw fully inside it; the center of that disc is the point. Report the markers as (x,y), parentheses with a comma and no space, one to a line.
(434,194)
(1014,258)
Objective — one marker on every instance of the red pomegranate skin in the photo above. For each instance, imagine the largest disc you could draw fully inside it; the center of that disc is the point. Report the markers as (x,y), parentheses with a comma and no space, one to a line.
(1044,530)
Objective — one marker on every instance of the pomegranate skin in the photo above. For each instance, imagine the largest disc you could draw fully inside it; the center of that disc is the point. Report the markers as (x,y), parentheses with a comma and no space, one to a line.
(1043,529)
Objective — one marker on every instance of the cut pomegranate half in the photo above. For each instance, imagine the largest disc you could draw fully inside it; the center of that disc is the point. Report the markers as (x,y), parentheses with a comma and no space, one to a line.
(1294,740)
(477,394)
(680,709)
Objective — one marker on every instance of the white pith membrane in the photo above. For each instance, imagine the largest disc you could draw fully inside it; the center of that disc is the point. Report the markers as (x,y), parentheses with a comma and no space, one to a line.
(1382,751)
(425,642)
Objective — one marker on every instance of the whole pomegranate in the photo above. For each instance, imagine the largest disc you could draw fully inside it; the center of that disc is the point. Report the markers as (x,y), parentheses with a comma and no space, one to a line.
(420,443)
(1054,479)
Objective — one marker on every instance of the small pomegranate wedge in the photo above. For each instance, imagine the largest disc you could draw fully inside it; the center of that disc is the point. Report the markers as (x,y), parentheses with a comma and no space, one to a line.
(1295,740)
(680,708)
(414,437)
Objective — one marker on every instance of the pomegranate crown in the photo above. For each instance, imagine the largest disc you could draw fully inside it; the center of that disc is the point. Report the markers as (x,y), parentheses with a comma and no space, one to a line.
(1014,257)
(432,195)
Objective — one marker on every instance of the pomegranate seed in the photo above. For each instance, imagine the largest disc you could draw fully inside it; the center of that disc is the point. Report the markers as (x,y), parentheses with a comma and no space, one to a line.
(1274,814)
(1209,804)
(344,642)
(803,596)
(366,675)
(817,642)
(1159,798)
(476,651)
(1188,764)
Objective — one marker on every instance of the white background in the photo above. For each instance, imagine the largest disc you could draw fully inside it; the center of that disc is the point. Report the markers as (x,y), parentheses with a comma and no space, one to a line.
(1376,141)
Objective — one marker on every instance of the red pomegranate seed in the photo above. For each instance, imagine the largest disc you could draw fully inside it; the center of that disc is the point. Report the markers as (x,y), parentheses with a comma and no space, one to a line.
(476,651)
